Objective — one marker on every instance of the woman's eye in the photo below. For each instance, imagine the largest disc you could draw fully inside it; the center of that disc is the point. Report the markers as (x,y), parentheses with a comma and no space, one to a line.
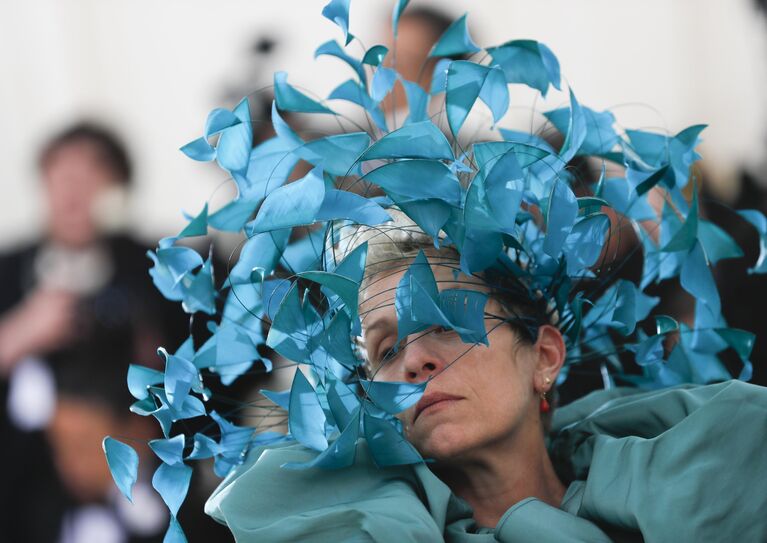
(387,354)
(441,330)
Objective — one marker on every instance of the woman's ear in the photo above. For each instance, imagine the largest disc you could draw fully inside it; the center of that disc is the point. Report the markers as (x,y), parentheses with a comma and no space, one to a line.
(550,355)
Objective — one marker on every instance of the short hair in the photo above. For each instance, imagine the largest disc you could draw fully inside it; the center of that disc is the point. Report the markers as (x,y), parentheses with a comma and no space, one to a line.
(109,148)
(94,369)
(436,20)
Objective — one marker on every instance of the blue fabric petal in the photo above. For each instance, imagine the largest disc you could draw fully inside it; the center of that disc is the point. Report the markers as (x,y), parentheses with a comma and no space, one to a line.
(180,376)
(338,154)
(383,82)
(375,55)
(233,445)
(174,534)
(306,419)
(235,143)
(387,446)
(199,149)
(686,236)
(172,483)
(170,451)
(337,340)
(199,292)
(345,288)
(171,265)
(417,102)
(585,241)
(503,189)
(417,180)
(600,135)
(576,131)
(123,464)
(495,93)
(528,62)
(717,244)
(416,140)
(280,399)
(617,192)
(420,271)
(338,12)
(480,250)
(340,204)
(198,226)
(354,92)
(455,41)
(467,81)
(393,397)
(233,216)
(219,119)
(339,454)
(465,311)
(697,279)
(140,378)
(439,76)
(289,99)
(353,264)
(399,7)
(294,204)
(305,253)
(343,402)
(260,253)
(560,216)
(332,48)
(430,215)
(270,164)
(287,334)
(759,222)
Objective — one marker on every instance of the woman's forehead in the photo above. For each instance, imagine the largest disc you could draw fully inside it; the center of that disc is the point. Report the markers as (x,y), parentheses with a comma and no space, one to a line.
(379,289)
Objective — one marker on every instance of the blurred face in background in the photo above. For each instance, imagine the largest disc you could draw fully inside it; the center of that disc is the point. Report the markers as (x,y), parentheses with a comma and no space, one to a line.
(75,178)
(75,434)
(415,38)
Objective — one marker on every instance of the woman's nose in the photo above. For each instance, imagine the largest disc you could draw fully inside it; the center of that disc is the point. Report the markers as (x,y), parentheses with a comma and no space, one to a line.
(421,359)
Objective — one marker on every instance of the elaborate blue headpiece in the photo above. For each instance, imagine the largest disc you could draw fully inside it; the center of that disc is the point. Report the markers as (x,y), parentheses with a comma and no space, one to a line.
(509,204)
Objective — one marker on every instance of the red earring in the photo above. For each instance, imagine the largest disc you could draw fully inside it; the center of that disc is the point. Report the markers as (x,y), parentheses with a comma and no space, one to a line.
(545,406)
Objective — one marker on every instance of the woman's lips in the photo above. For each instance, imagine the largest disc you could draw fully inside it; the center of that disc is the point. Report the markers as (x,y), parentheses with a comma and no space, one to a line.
(433,399)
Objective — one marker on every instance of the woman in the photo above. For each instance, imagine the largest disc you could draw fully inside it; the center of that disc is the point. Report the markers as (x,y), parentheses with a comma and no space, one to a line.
(433,294)
(620,465)
(477,444)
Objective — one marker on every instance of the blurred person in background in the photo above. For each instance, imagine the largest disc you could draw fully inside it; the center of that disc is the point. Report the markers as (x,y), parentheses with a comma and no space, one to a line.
(84,276)
(83,280)
(82,501)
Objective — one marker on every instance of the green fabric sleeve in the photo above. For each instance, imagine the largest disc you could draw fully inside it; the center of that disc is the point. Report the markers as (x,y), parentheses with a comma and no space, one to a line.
(263,502)
(677,465)
(532,520)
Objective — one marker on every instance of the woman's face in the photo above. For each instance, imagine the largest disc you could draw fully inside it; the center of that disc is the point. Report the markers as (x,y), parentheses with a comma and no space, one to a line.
(477,395)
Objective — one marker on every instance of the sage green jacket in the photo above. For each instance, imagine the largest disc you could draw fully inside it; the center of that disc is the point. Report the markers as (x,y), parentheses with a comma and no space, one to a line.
(683,464)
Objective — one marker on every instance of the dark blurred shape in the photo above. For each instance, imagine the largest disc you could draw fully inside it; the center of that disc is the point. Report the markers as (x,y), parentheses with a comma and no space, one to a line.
(77,306)
(264,45)
(743,294)
(90,404)
(254,73)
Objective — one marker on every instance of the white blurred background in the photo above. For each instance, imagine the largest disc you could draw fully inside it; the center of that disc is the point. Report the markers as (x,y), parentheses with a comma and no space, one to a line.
(153,69)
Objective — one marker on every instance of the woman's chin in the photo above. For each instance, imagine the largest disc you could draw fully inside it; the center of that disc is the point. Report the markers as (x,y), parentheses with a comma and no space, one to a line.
(440,442)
